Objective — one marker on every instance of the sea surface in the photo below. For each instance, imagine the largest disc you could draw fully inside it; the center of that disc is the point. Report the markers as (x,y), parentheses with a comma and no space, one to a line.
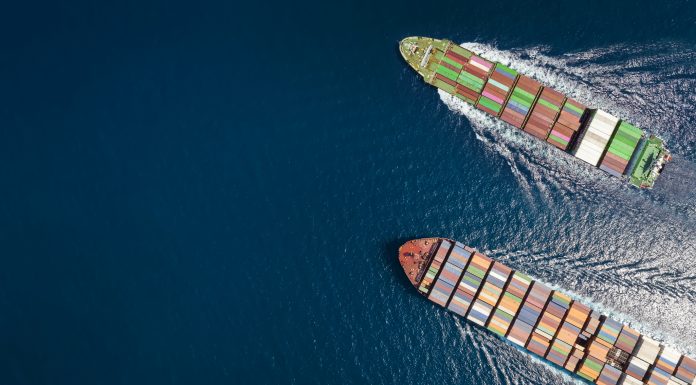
(214,192)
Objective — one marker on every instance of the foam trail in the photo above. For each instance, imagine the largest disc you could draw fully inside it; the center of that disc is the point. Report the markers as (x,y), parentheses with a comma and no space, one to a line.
(466,334)
(479,342)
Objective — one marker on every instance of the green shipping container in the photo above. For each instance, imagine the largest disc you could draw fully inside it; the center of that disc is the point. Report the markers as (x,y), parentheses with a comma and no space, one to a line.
(468,84)
(548,104)
(448,73)
(505,69)
(471,78)
(521,101)
(572,107)
(524,95)
(443,86)
(558,140)
(452,63)
(476,271)
(488,103)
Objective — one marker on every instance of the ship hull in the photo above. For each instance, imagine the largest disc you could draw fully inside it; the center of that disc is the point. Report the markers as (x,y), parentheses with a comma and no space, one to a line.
(547,323)
(591,135)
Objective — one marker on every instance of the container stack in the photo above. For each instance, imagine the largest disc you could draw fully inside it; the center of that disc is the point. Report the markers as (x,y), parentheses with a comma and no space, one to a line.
(469,285)
(460,72)
(472,79)
(686,370)
(568,336)
(637,368)
(507,309)
(627,339)
(435,266)
(590,368)
(644,355)
(521,100)
(549,323)
(596,137)
(446,282)
(628,380)
(544,113)
(446,77)
(609,332)
(456,263)
(592,321)
(497,89)
(667,360)
(490,293)
(446,67)
(567,124)
(598,351)
(510,303)
(609,376)
(543,332)
(657,377)
(459,53)
(621,149)
(529,315)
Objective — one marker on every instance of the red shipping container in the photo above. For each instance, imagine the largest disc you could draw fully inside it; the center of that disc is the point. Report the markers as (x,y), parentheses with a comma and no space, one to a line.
(446,80)
(457,57)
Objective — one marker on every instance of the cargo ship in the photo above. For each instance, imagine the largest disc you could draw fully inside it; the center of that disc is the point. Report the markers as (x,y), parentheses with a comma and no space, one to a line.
(547,323)
(592,135)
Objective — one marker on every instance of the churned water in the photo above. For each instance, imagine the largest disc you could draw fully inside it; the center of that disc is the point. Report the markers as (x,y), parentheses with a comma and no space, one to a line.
(215,192)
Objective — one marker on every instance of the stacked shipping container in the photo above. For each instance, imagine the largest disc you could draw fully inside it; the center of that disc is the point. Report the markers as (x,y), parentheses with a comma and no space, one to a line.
(544,113)
(529,315)
(596,137)
(466,289)
(472,79)
(548,323)
(520,102)
(567,125)
(621,149)
(490,294)
(434,267)
(497,89)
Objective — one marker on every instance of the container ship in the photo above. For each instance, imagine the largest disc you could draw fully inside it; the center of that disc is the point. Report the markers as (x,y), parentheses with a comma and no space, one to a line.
(545,322)
(592,135)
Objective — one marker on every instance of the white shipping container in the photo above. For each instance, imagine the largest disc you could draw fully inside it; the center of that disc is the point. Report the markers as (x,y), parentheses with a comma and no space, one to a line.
(544,334)
(670,355)
(589,155)
(628,380)
(498,275)
(515,341)
(647,349)
(598,133)
(639,363)
(675,381)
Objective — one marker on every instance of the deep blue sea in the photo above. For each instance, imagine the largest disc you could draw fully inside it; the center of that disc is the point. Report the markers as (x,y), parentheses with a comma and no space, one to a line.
(214,192)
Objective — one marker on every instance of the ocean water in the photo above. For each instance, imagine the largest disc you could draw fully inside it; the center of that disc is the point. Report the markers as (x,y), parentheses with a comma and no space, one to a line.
(215,192)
